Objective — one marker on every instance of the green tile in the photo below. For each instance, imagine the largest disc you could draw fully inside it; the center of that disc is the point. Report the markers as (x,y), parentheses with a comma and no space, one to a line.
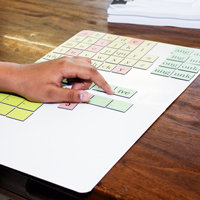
(196,53)
(19,114)
(13,100)
(189,67)
(5,109)
(119,105)
(28,105)
(182,50)
(182,75)
(179,57)
(125,92)
(170,64)
(100,101)
(92,85)
(96,87)
(194,60)
(162,71)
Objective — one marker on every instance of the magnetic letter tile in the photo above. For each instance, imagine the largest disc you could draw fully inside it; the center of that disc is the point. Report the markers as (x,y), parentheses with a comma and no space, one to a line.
(115,45)
(194,60)
(135,55)
(121,69)
(129,47)
(142,65)
(98,34)
(102,43)
(94,48)
(99,101)
(119,105)
(196,53)
(3,96)
(149,58)
(136,41)
(73,52)
(107,67)
(125,92)
(186,76)
(182,50)
(87,54)
(61,49)
(180,57)
(51,56)
(82,46)
(189,67)
(110,37)
(77,38)
(114,59)
(5,109)
(96,63)
(85,33)
(19,114)
(147,45)
(171,64)
(100,57)
(28,105)
(96,87)
(162,71)
(108,50)
(90,40)
(123,39)
(121,53)
(13,100)
(70,44)
(128,62)
(68,106)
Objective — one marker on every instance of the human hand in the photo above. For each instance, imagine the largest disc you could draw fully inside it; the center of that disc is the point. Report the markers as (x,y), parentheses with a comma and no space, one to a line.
(41,82)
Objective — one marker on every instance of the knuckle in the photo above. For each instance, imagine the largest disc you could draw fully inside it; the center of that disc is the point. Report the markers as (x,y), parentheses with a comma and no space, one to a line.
(71,95)
(93,70)
(49,95)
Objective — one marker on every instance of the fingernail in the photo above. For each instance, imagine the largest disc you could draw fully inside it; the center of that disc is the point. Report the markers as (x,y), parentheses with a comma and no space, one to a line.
(84,97)
(113,91)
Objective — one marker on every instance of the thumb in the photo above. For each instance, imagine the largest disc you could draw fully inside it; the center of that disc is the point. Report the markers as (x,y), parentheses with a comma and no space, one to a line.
(68,95)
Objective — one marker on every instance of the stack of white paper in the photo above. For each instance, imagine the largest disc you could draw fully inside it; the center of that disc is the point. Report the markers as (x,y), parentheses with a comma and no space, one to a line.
(179,13)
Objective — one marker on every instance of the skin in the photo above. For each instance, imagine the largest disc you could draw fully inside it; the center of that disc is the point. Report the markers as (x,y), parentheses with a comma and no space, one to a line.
(41,82)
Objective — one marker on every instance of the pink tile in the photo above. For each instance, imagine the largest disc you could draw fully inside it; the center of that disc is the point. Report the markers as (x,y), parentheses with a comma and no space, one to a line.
(135,41)
(121,69)
(69,106)
(94,48)
(74,52)
(85,33)
(102,42)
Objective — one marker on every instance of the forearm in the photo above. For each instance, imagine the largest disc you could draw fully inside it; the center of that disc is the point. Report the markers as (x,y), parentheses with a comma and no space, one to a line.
(9,77)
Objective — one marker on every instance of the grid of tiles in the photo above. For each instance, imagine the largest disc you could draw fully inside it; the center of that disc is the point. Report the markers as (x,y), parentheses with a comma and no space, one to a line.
(16,107)
(181,64)
(112,53)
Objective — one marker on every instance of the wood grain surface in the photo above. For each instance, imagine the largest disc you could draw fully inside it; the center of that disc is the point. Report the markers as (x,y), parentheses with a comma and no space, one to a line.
(165,162)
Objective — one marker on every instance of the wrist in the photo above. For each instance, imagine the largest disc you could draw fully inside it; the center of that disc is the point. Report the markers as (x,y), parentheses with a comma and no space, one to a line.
(10,77)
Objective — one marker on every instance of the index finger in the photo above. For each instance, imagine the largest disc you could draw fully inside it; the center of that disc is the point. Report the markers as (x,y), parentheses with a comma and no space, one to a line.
(86,71)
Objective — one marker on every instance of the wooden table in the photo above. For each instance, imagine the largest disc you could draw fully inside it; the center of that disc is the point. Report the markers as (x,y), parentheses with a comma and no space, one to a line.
(165,162)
